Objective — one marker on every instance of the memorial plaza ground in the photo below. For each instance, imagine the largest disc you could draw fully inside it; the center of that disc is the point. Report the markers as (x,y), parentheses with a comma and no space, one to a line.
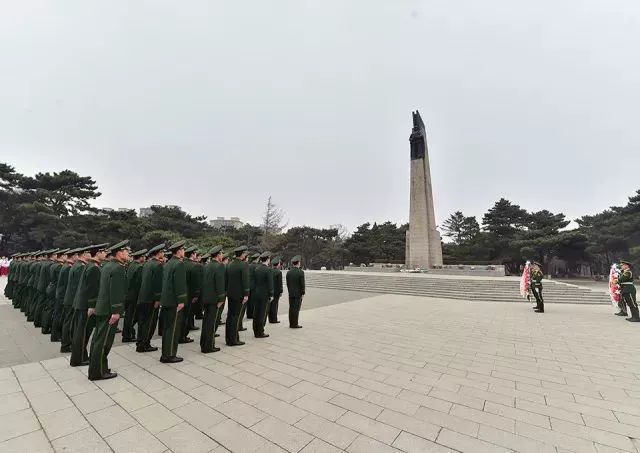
(370,373)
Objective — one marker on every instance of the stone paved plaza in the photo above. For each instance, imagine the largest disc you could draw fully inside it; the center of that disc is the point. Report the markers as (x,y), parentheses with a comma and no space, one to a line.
(380,374)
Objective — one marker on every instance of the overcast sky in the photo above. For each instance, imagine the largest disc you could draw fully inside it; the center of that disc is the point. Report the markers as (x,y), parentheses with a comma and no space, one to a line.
(215,105)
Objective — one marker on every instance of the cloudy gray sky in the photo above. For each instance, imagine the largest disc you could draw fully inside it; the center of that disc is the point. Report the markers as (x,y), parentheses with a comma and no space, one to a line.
(215,105)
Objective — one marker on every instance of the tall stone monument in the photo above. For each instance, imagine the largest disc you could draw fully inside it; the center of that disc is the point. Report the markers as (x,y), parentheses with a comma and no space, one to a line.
(424,244)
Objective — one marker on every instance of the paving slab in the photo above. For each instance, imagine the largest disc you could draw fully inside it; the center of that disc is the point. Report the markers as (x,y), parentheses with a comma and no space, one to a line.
(381,373)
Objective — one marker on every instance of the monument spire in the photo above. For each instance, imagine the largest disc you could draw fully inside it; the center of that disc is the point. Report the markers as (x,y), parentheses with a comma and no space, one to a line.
(424,244)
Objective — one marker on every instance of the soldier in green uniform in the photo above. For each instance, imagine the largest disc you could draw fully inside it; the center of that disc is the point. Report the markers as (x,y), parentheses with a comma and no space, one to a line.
(84,303)
(213,298)
(8,290)
(277,290)
(296,288)
(262,294)
(196,308)
(193,270)
(70,293)
(134,281)
(61,288)
(50,304)
(172,301)
(536,286)
(21,279)
(149,298)
(254,260)
(628,290)
(238,288)
(43,282)
(35,282)
(28,282)
(108,309)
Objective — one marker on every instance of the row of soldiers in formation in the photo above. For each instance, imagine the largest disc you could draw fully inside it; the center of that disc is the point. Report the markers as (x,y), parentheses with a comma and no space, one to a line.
(79,294)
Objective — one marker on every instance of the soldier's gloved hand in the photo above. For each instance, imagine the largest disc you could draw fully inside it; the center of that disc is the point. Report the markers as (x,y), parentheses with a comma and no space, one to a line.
(180,307)
(194,300)
(156,304)
(245,299)
(220,304)
(114,319)
(91,312)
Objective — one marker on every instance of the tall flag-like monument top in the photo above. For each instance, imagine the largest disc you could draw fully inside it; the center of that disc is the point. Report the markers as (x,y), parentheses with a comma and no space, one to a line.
(424,244)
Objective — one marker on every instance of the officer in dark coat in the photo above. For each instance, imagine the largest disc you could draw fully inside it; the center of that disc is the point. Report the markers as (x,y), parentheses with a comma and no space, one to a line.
(108,309)
(134,281)
(173,301)
(296,289)
(148,304)
(263,293)
(277,290)
(213,298)
(84,303)
(238,288)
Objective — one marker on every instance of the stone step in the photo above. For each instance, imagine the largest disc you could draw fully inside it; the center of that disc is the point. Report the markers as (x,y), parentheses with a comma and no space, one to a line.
(489,289)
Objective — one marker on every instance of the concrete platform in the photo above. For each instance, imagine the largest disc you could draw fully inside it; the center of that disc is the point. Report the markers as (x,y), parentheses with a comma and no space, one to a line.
(381,374)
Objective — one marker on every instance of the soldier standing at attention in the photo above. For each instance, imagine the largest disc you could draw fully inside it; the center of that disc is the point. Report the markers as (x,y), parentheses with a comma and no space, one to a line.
(39,287)
(134,280)
(238,287)
(628,290)
(196,307)
(192,268)
(61,289)
(253,263)
(149,298)
(43,282)
(108,309)
(70,293)
(84,303)
(277,290)
(173,301)
(263,294)
(296,288)
(50,304)
(212,297)
(536,286)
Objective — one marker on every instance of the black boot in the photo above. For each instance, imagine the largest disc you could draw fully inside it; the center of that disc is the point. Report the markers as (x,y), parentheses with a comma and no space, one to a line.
(635,317)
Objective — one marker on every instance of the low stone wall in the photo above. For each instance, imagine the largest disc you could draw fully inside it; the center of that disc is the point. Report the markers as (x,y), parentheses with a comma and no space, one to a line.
(478,271)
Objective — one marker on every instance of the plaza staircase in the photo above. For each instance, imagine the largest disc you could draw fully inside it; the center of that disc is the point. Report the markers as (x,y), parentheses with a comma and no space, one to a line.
(504,289)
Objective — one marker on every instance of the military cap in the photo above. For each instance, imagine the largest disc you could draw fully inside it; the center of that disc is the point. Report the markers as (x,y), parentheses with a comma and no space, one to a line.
(168,253)
(97,247)
(138,253)
(156,249)
(226,255)
(72,251)
(628,263)
(63,251)
(191,249)
(214,251)
(119,246)
(265,255)
(204,256)
(177,246)
(275,261)
(296,259)
(255,255)
(242,248)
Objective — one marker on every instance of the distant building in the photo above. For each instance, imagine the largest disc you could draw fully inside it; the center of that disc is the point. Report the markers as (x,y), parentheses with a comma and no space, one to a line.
(220,222)
(145,212)
(124,209)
